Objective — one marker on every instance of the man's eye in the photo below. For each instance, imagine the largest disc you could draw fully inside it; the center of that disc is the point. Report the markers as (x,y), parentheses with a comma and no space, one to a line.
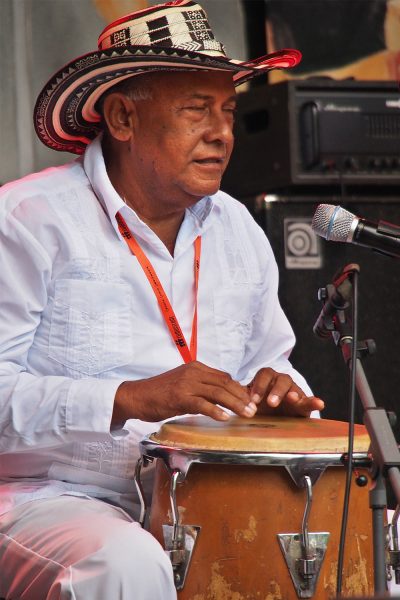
(199,108)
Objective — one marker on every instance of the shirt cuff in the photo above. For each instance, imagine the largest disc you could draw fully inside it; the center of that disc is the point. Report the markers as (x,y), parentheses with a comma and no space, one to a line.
(90,405)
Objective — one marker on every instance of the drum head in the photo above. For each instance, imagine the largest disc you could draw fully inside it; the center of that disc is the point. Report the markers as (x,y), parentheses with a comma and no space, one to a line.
(261,434)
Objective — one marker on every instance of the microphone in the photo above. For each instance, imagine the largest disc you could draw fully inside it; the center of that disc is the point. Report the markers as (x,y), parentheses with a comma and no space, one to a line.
(337,224)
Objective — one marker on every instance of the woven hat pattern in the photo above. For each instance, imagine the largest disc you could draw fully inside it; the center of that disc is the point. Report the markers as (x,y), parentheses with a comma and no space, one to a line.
(185,29)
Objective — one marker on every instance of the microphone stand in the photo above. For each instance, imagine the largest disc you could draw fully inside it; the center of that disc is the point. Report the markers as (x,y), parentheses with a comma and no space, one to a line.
(384,450)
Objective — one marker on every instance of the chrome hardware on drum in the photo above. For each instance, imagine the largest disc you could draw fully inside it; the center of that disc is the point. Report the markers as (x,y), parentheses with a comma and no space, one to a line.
(251,509)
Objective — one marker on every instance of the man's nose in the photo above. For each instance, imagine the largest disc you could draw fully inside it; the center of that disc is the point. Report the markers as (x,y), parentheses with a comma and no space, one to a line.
(220,127)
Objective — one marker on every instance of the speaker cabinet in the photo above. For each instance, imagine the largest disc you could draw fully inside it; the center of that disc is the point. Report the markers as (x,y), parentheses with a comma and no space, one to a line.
(307,263)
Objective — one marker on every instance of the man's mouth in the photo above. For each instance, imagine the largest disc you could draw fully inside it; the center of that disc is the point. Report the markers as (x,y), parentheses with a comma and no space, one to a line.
(210,161)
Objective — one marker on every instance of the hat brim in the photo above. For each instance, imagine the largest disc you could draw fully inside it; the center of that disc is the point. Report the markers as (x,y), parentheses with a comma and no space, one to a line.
(65,117)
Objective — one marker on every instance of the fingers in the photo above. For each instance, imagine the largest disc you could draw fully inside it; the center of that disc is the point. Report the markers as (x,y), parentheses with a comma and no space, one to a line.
(300,404)
(218,388)
(277,392)
(221,396)
(222,383)
(204,407)
(271,386)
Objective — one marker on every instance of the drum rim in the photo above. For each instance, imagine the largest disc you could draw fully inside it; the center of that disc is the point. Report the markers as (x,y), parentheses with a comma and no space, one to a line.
(181,459)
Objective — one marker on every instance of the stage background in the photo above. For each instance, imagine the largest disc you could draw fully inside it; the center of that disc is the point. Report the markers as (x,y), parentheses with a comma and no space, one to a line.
(338,38)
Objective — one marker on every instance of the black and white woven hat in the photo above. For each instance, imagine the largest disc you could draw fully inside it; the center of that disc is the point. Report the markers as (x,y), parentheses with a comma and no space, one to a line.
(173,36)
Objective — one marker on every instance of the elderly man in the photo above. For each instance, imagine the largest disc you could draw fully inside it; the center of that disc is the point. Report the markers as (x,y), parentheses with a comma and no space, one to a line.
(132,291)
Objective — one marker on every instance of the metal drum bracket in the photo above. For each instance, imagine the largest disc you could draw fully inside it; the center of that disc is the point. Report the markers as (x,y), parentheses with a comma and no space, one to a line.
(304,552)
(179,540)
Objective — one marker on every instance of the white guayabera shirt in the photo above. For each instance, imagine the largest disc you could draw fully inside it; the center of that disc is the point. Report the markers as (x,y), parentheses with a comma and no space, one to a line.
(78,317)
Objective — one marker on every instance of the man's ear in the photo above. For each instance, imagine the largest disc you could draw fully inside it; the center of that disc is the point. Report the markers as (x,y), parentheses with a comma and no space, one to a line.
(119,113)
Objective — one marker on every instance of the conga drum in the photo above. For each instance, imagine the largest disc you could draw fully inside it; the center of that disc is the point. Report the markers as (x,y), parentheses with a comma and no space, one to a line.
(251,509)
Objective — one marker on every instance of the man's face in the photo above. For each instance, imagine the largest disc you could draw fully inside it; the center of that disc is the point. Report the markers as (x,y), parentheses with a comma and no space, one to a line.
(183,136)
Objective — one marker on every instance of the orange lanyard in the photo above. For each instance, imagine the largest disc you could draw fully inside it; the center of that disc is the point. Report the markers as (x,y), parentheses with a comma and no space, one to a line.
(164,304)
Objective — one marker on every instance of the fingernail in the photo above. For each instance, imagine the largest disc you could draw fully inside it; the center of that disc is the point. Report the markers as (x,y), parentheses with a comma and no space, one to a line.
(224,416)
(250,409)
(273,400)
(256,398)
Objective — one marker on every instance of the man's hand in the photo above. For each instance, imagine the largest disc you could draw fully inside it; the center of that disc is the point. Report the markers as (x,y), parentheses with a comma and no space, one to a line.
(189,389)
(276,393)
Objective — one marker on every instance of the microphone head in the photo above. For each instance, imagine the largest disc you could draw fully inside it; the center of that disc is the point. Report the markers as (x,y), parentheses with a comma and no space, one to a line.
(333,223)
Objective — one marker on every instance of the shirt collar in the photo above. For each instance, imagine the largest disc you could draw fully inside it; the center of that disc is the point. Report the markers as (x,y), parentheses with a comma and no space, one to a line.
(202,209)
(96,172)
(111,201)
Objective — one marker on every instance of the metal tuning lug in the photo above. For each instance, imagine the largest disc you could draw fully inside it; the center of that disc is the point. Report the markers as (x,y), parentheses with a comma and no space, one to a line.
(179,540)
(304,552)
(143,461)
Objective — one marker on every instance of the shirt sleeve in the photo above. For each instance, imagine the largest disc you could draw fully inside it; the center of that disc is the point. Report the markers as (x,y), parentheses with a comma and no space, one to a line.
(272,338)
(38,410)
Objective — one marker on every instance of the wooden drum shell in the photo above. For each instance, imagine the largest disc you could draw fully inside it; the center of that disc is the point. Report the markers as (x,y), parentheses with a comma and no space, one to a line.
(241,509)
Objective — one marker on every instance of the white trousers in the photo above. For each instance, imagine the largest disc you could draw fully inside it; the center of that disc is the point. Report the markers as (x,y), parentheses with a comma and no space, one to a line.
(82,549)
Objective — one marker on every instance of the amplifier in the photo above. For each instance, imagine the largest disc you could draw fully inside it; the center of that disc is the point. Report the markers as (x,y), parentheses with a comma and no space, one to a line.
(315,132)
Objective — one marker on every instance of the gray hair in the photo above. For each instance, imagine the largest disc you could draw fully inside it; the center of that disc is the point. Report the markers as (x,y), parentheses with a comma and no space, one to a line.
(136,88)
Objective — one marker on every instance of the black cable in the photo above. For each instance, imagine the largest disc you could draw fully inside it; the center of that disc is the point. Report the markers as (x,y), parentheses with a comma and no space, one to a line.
(346,500)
